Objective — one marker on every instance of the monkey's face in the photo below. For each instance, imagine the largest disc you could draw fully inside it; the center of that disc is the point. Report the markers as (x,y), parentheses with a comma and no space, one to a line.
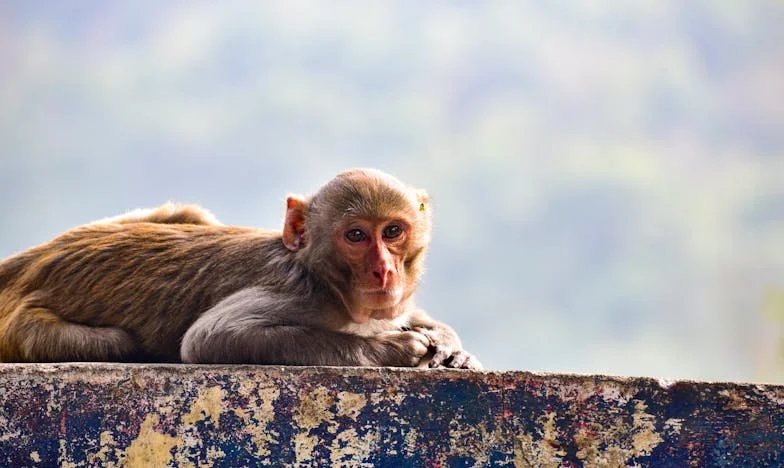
(375,252)
(365,234)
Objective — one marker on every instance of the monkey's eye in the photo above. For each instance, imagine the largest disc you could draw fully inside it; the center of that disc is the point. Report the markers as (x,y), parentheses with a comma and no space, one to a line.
(355,235)
(392,231)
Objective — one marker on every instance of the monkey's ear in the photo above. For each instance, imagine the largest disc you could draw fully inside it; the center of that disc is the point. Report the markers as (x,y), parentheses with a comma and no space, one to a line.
(294,224)
(424,200)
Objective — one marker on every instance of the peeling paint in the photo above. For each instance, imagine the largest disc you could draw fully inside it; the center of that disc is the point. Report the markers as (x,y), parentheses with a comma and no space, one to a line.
(543,451)
(734,401)
(8,436)
(673,425)
(207,406)
(350,404)
(612,392)
(644,430)
(107,446)
(258,416)
(313,410)
(63,459)
(475,442)
(315,407)
(150,448)
(176,415)
(213,455)
(349,448)
(410,439)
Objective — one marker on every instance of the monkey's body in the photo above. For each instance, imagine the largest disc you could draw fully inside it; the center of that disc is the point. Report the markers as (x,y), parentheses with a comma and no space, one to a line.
(148,280)
(172,284)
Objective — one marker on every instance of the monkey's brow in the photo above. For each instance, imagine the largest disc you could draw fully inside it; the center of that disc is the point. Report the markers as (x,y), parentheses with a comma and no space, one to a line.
(378,219)
(377,206)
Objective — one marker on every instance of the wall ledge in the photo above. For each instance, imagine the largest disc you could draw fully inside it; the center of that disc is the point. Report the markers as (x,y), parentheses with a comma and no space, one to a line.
(156,415)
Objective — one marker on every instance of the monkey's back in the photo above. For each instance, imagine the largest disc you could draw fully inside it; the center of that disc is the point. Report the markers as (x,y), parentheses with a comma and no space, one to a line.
(152,280)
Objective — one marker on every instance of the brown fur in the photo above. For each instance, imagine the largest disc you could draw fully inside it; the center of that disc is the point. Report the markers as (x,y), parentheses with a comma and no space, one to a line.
(168,213)
(173,284)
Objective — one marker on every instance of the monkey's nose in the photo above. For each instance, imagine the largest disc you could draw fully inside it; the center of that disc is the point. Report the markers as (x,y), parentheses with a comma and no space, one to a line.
(382,274)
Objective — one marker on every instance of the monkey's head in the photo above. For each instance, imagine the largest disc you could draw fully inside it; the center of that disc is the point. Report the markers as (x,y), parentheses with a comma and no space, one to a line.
(365,234)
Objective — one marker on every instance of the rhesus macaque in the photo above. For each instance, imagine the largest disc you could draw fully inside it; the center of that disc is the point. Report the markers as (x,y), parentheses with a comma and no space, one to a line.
(172,284)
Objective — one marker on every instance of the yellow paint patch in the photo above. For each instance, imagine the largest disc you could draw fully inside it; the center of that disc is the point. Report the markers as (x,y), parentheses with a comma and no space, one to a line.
(545,452)
(208,404)
(350,404)
(150,448)
(474,442)
(645,437)
(735,402)
(350,449)
(673,425)
(587,445)
(633,440)
(258,416)
(107,445)
(313,410)
(35,457)
(214,454)
(63,459)
(410,440)
(303,447)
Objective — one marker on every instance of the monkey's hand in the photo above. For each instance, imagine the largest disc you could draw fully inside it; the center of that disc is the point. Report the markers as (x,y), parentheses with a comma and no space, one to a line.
(401,348)
(447,349)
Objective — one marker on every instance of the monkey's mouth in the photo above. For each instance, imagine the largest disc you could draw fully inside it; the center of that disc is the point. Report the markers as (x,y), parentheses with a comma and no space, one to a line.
(375,298)
(380,292)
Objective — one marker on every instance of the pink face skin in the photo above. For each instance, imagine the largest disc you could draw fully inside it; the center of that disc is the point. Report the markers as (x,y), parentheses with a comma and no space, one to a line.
(376,250)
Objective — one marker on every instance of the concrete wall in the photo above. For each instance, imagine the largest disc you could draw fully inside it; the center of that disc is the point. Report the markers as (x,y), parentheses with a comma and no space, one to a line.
(155,415)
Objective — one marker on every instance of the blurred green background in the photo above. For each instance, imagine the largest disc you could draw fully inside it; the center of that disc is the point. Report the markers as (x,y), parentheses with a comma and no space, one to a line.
(608,177)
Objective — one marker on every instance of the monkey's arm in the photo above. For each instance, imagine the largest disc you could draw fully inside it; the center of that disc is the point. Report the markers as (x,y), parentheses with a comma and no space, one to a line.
(447,348)
(306,346)
(254,326)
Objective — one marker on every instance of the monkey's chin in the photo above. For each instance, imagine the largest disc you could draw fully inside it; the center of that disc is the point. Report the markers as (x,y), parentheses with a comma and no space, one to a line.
(377,304)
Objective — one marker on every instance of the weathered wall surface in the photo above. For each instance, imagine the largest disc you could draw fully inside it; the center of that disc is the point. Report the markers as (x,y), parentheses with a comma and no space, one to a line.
(156,415)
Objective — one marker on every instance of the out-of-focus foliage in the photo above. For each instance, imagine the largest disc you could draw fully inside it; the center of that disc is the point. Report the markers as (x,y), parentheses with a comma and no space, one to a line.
(608,177)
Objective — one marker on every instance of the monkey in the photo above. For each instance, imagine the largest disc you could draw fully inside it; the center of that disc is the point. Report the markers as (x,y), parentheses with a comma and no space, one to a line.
(335,286)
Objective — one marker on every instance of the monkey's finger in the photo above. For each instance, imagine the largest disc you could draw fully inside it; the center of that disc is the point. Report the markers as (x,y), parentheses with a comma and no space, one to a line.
(428,334)
(416,343)
(473,363)
(459,360)
(440,356)
(422,338)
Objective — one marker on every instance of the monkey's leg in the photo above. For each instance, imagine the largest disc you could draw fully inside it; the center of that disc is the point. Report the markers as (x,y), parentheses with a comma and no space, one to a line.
(301,346)
(254,326)
(36,334)
(293,345)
